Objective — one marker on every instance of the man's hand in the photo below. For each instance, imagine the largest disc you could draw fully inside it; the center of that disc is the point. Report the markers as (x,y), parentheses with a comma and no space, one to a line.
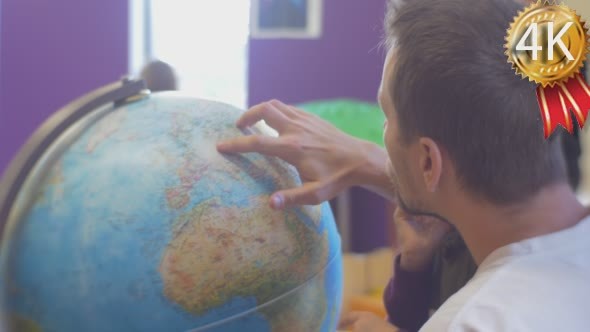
(418,237)
(328,160)
(358,321)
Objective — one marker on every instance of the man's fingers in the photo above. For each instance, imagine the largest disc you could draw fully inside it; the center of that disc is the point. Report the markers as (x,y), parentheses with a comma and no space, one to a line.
(266,145)
(287,110)
(310,193)
(268,112)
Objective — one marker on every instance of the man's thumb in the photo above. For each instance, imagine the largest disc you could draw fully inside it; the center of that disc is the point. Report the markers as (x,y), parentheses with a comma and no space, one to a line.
(310,193)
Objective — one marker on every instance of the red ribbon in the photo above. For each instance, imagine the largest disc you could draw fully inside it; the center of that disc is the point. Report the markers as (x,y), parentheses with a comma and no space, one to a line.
(558,101)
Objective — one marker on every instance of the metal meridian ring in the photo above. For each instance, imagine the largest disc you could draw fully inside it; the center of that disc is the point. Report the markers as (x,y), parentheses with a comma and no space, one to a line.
(20,167)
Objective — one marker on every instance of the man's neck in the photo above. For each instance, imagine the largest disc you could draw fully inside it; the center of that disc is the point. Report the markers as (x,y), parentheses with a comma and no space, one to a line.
(486,228)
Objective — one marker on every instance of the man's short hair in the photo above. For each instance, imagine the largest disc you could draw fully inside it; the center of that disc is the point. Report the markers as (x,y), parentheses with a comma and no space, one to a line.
(452,83)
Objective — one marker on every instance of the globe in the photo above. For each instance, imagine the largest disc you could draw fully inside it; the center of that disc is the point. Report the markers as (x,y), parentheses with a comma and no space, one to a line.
(130,220)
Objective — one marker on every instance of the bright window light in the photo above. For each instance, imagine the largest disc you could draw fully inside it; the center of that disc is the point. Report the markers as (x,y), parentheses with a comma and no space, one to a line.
(206,42)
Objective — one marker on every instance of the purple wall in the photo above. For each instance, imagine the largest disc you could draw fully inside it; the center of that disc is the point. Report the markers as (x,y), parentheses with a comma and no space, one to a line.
(52,52)
(346,62)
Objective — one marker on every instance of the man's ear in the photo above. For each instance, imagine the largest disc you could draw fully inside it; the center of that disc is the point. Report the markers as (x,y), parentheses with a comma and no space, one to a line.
(430,158)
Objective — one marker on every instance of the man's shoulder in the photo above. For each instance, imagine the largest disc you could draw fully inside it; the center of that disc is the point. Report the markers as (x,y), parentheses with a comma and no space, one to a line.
(520,293)
(460,303)
(499,309)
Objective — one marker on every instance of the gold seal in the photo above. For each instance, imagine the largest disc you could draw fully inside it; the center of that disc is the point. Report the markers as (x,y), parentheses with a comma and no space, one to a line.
(547,43)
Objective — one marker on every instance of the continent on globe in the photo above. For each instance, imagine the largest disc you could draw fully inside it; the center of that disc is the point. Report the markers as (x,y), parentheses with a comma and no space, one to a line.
(219,252)
(105,130)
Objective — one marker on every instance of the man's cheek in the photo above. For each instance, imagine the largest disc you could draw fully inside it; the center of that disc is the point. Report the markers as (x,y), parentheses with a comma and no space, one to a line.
(392,176)
(388,145)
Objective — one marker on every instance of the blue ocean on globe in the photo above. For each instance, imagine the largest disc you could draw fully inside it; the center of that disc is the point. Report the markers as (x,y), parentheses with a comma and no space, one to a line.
(132,221)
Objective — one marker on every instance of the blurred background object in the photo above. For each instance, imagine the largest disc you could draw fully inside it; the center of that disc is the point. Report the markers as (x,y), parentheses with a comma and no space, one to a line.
(357,118)
(159,76)
(285,18)
(365,277)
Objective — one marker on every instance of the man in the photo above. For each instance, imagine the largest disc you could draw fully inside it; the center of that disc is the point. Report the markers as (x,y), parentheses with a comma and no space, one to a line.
(447,265)
(465,144)
(415,291)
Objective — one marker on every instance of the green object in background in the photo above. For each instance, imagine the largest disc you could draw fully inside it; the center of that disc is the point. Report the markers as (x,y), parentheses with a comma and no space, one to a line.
(359,119)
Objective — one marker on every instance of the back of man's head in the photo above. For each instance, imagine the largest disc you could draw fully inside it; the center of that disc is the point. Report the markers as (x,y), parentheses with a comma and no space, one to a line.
(452,82)
(159,76)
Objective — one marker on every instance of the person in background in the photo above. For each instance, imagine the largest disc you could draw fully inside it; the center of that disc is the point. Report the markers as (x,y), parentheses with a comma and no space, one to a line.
(159,76)
(476,162)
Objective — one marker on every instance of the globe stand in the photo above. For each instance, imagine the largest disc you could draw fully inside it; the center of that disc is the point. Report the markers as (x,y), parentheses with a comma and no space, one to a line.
(118,93)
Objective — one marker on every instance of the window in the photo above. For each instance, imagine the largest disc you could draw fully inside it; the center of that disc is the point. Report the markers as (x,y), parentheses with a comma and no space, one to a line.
(204,40)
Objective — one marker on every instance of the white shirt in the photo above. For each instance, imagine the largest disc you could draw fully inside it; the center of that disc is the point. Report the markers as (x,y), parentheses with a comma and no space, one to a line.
(539,284)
